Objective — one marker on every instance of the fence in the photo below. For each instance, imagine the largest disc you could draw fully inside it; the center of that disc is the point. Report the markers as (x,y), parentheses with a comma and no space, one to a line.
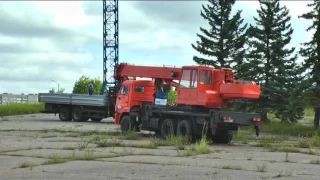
(11,98)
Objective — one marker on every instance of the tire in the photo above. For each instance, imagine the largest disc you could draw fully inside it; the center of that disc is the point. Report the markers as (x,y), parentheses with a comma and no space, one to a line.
(126,124)
(65,114)
(77,115)
(96,119)
(167,128)
(184,128)
(222,137)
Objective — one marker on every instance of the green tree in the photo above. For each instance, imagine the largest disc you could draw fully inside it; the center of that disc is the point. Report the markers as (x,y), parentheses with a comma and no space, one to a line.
(223,43)
(81,85)
(54,91)
(311,54)
(172,96)
(272,63)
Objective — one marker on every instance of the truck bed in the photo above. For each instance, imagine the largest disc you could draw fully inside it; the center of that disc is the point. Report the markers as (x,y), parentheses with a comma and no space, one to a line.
(74,99)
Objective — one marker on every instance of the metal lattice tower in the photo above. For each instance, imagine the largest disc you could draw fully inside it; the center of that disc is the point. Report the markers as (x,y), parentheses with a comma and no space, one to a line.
(110,42)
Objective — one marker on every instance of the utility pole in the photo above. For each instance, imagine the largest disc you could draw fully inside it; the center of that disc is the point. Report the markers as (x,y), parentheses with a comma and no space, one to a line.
(57,83)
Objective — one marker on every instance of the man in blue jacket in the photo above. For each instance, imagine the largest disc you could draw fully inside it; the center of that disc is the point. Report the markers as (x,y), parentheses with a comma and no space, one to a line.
(91,88)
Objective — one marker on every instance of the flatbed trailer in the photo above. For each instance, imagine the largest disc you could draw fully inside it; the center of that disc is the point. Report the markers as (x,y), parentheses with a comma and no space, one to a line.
(77,107)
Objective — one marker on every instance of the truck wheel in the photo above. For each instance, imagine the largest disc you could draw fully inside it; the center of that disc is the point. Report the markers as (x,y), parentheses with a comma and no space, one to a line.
(126,124)
(65,114)
(96,119)
(77,115)
(167,128)
(184,128)
(222,137)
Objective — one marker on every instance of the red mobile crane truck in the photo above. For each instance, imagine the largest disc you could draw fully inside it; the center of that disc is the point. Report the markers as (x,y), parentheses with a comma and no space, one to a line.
(202,91)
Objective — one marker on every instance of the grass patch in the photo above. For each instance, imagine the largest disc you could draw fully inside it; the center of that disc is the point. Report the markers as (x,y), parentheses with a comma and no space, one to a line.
(315,161)
(106,143)
(19,109)
(69,148)
(283,174)
(83,144)
(200,147)
(178,141)
(147,145)
(87,156)
(262,168)
(233,167)
(27,164)
(240,137)
(131,135)
(309,112)
(292,129)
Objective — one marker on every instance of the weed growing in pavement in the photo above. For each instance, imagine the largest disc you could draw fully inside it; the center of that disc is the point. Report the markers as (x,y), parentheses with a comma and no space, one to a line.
(241,137)
(69,148)
(262,168)
(283,174)
(27,164)
(88,155)
(315,161)
(131,135)
(83,144)
(200,147)
(109,143)
(233,167)
(147,145)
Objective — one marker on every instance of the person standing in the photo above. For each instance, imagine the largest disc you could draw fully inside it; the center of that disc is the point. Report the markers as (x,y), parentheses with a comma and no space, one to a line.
(91,87)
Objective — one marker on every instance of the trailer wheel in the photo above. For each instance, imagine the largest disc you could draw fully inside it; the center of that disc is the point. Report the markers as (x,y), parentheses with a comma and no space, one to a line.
(184,128)
(222,137)
(77,115)
(126,124)
(65,114)
(167,128)
(96,119)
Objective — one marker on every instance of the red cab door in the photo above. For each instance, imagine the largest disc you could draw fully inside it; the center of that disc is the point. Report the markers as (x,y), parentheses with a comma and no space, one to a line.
(188,93)
(122,103)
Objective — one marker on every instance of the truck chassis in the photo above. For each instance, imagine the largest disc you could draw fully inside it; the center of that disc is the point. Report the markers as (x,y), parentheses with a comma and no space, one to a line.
(189,121)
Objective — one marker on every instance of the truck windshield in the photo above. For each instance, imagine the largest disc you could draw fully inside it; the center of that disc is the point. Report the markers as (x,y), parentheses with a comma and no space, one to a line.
(205,77)
(124,90)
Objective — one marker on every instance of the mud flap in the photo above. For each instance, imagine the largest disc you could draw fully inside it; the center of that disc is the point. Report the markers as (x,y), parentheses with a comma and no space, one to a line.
(258,128)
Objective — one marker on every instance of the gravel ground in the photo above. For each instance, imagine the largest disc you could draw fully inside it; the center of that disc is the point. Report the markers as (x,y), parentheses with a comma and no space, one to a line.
(39,146)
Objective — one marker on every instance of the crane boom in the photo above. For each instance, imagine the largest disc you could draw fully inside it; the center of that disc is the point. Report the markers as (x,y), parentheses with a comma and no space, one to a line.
(124,70)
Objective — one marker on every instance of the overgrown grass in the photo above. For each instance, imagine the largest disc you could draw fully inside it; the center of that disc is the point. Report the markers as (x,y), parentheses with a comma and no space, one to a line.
(200,147)
(87,156)
(293,129)
(232,167)
(27,164)
(178,141)
(131,135)
(19,109)
(309,112)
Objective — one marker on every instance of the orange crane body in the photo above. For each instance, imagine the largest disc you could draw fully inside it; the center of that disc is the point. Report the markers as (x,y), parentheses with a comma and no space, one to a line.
(196,85)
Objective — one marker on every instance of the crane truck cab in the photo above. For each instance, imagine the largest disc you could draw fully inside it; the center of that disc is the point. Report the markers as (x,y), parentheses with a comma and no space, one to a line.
(131,95)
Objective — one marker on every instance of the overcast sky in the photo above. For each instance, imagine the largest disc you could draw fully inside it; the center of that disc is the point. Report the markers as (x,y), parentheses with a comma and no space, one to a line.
(40,40)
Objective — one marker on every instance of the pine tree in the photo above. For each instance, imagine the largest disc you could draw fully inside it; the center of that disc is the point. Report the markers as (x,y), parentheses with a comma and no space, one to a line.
(271,63)
(223,43)
(311,54)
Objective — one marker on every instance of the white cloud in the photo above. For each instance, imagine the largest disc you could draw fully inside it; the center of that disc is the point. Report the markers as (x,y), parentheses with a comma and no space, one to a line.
(296,8)
(62,40)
